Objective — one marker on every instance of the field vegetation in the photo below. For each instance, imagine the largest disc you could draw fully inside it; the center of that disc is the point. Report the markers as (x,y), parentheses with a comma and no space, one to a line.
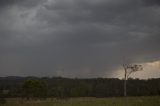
(120,101)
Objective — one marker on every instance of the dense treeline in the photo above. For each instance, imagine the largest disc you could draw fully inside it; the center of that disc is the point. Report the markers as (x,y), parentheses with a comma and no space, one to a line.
(96,87)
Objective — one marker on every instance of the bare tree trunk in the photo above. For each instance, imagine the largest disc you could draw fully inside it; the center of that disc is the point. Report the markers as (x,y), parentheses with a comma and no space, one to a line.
(125,83)
(125,88)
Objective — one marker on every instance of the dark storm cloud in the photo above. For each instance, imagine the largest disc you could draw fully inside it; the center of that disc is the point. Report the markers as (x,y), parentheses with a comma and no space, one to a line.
(25,3)
(152,2)
(91,11)
(76,38)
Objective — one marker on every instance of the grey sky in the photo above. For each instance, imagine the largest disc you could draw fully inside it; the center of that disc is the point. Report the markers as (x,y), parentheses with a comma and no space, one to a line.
(77,38)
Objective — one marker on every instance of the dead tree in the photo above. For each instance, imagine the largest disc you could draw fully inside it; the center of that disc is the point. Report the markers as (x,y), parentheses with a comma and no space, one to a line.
(129,69)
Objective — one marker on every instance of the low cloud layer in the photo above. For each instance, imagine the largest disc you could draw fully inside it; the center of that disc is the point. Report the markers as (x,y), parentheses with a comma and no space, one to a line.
(77,38)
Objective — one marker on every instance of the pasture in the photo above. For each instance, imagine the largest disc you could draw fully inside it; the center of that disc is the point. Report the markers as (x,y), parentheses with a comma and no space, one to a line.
(120,101)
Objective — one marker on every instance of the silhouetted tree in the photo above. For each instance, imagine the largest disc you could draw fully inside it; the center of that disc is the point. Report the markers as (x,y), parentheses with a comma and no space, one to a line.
(35,89)
(129,69)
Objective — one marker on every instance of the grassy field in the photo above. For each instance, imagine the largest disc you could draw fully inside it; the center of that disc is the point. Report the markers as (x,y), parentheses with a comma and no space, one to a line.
(130,101)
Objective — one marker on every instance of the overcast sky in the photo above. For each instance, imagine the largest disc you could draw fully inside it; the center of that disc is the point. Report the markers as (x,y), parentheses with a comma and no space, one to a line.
(79,38)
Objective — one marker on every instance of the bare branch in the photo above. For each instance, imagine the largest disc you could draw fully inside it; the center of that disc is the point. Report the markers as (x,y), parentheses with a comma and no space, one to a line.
(134,68)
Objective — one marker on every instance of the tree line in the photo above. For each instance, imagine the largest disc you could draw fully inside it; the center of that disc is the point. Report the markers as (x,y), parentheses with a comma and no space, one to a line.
(30,87)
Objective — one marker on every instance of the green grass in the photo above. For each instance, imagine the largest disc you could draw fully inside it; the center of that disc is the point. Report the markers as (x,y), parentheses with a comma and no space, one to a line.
(129,101)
